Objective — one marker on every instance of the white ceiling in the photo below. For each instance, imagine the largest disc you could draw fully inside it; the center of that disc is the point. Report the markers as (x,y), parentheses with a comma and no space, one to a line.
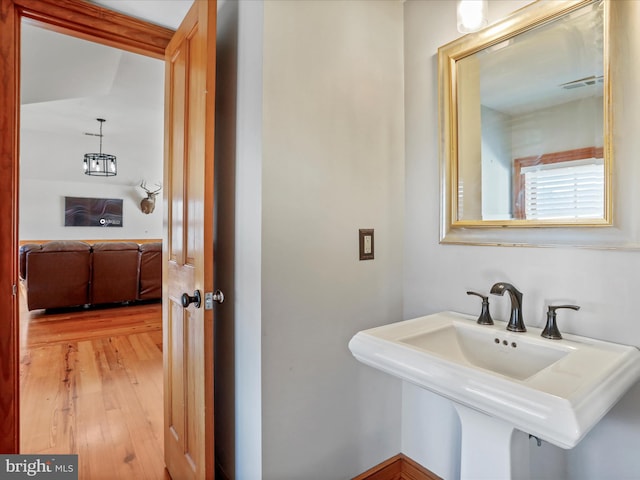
(167,13)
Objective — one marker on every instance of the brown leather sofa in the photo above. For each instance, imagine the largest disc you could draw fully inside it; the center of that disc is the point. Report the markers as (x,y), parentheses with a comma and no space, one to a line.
(150,270)
(66,273)
(58,273)
(114,272)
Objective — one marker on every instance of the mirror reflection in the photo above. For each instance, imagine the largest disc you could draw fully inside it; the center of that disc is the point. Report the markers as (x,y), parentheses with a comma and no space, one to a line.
(529,117)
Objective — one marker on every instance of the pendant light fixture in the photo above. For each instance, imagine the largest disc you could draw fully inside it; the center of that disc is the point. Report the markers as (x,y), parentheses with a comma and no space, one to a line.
(100,164)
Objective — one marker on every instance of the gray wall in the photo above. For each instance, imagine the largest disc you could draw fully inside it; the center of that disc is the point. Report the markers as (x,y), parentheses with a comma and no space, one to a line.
(337,129)
(238,240)
(319,153)
(333,151)
(436,276)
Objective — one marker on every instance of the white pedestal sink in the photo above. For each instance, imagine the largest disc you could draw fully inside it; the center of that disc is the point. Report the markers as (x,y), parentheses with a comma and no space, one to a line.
(504,385)
(491,448)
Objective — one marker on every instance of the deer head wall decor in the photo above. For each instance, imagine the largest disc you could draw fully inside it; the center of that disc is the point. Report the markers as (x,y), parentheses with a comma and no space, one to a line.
(147,205)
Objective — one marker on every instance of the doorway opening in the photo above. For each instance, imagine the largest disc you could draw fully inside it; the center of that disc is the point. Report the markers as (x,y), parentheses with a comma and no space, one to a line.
(90,378)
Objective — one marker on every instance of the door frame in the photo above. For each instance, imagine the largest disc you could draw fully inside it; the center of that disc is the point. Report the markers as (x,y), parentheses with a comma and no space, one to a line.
(71,17)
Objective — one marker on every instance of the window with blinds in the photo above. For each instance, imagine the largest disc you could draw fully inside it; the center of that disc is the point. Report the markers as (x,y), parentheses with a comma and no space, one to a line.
(564,190)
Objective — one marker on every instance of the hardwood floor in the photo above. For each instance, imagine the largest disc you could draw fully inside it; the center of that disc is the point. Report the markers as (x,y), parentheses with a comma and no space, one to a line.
(91,384)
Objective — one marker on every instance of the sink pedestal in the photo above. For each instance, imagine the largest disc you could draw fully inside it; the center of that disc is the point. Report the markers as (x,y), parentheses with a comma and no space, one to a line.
(556,389)
(491,448)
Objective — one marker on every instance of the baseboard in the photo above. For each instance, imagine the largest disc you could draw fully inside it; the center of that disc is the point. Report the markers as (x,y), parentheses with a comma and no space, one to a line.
(399,467)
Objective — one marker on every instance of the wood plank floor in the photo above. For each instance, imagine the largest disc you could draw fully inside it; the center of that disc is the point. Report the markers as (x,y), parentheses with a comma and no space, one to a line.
(91,384)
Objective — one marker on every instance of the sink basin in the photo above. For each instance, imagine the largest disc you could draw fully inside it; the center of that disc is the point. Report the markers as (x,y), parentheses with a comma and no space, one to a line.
(475,346)
(556,390)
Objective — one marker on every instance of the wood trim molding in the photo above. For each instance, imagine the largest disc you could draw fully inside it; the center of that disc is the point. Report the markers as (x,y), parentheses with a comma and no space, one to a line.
(399,467)
(72,17)
(91,22)
(9,107)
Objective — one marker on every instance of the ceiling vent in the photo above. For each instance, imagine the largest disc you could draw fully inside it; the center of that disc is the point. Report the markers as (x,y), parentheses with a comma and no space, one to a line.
(583,82)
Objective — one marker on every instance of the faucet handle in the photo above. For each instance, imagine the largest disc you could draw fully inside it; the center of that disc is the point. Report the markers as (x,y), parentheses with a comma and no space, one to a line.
(485,316)
(551,329)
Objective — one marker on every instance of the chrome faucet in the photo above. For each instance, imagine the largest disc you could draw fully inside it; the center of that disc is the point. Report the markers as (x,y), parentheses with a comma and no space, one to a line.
(516,323)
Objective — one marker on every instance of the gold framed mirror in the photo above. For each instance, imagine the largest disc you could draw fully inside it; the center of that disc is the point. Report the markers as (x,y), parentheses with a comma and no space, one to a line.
(525,119)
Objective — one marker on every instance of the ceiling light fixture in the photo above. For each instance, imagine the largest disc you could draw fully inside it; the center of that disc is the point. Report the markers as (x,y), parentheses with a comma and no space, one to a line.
(100,164)
(472,15)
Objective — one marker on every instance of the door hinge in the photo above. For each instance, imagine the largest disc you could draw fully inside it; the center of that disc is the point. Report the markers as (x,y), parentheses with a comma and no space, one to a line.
(14,289)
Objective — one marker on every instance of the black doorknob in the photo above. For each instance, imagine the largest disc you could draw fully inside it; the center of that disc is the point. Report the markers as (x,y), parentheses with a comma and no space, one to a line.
(188,299)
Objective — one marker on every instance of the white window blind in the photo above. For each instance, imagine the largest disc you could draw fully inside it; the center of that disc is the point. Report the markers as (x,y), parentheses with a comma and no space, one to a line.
(565,190)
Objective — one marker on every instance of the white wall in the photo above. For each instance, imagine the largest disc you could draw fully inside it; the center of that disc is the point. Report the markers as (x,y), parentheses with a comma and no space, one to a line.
(42,212)
(496,165)
(246,295)
(333,149)
(436,276)
(534,133)
(51,169)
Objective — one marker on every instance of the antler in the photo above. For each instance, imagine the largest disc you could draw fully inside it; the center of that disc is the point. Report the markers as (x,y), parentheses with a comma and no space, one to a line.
(143,186)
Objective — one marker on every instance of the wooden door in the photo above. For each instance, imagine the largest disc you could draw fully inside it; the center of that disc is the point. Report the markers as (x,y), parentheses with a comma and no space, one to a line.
(188,252)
